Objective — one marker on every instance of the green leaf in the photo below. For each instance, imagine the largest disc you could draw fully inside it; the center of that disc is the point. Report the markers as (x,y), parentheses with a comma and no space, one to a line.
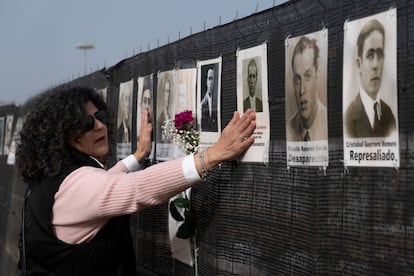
(181,202)
(186,230)
(174,212)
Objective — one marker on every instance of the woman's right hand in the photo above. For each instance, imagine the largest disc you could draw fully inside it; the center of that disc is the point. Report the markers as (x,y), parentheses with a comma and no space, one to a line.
(235,139)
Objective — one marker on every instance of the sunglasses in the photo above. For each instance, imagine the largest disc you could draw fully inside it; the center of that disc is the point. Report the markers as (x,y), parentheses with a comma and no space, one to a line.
(100,115)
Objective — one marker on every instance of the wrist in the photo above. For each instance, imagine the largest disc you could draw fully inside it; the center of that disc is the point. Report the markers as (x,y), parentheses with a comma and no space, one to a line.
(204,171)
(213,157)
(140,156)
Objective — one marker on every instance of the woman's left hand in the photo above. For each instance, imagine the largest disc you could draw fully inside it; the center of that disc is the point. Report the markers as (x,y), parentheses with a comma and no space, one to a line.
(144,139)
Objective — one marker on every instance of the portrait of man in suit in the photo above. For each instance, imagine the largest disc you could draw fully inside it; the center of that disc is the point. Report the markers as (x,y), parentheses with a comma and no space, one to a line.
(309,122)
(1,134)
(252,100)
(209,101)
(368,115)
(163,106)
(144,100)
(8,134)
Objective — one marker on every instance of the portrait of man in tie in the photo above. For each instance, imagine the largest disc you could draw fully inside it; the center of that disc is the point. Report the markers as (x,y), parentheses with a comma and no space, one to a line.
(209,101)
(145,100)
(368,115)
(309,119)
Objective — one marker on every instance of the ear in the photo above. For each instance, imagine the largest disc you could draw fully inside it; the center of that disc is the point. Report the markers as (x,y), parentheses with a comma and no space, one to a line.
(73,142)
(358,62)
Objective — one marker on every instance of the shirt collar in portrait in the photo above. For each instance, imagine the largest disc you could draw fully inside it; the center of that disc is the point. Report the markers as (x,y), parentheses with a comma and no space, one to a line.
(317,128)
(368,104)
(208,97)
(209,100)
(125,128)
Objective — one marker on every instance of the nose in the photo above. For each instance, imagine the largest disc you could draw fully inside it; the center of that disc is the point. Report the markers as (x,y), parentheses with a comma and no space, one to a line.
(302,89)
(98,124)
(375,62)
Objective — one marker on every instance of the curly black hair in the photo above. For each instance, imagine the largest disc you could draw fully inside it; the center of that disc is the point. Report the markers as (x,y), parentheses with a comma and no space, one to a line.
(53,118)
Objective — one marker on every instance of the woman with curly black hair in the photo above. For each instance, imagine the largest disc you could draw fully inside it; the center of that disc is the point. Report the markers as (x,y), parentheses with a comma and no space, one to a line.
(75,216)
(53,119)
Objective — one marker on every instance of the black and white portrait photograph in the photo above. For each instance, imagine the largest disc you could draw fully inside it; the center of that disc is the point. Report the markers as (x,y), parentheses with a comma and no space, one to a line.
(166,88)
(185,99)
(306,99)
(252,93)
(208,103)
(145,100)
(252,89)
(11,157)
(103,92)
(186,90)
(2,122)
(209,100)
(8,133)
(124,122)
(370,105)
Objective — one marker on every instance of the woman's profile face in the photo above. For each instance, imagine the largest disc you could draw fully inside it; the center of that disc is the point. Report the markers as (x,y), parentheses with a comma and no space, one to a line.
(93,142)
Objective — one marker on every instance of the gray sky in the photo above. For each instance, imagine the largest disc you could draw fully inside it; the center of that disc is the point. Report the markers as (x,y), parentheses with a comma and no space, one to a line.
(39,38)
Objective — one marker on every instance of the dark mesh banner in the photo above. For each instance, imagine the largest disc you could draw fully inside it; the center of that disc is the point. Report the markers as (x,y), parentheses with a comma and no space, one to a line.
(268,219)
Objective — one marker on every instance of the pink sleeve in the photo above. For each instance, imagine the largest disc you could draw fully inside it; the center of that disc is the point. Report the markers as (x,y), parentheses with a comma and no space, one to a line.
(119,167)
(89,196)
